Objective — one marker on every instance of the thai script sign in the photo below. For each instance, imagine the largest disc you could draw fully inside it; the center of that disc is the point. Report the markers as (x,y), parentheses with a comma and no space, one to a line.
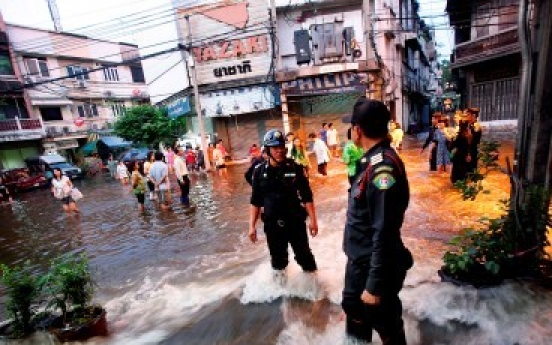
(230,38)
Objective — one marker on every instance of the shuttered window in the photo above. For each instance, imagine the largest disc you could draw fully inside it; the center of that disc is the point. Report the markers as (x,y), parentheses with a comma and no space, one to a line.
(497,100)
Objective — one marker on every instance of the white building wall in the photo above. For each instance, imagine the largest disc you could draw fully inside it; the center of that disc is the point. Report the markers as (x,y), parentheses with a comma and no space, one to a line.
(62,50)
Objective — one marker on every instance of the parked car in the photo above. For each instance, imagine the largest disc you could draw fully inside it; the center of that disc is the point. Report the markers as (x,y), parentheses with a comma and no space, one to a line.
(134,154)
(48,163)
(21,179)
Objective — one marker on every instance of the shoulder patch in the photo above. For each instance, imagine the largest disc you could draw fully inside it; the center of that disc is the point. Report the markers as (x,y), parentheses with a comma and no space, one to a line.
(383,168)
(376,159)
(383,181)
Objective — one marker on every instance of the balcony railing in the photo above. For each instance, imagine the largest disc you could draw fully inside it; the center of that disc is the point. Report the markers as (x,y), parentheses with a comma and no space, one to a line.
(21,129)
(501,42)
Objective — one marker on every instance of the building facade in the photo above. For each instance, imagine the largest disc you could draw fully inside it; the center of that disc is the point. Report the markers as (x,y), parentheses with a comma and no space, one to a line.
(486,61)
(325,63)
(21,131)
(231,48)
(79,101)
(406,49)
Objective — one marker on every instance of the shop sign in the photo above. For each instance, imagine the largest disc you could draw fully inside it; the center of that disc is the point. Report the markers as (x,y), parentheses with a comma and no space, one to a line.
(223,103)
(230,39)
(325,84)
(179,107)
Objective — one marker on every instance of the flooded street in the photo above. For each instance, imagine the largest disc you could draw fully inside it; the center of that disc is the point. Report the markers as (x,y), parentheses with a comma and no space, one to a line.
(192,277)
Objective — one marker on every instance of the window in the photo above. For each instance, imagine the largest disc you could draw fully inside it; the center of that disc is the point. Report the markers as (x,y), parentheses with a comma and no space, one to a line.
(111,74)
(5,64)
(75,72)
(137,74)
(118,109)
(87,110)
(483,16)
(51,113)
(37,66)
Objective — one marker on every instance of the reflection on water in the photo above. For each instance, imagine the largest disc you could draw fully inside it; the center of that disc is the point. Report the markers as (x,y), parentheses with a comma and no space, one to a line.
(191,276)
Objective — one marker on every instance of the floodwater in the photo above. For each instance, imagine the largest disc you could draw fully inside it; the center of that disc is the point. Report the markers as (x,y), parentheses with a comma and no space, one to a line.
(191,277)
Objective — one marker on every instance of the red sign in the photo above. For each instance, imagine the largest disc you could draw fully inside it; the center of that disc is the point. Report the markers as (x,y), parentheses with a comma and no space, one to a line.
(78,122)
(232,49)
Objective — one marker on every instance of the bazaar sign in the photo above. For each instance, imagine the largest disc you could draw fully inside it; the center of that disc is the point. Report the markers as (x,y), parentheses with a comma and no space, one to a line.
(230,38)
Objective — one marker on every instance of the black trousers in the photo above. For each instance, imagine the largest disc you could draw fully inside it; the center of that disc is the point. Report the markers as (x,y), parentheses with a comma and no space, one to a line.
(323,169)
(385,318)
(294,232)
(433,159)
(184,189)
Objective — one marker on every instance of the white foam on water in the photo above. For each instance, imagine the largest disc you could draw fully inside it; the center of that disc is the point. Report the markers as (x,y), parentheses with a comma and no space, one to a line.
(507,314)
(298,333)
(157,308)
(261,287)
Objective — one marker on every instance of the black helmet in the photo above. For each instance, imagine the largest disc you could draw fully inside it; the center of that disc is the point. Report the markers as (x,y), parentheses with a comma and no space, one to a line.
(273,138)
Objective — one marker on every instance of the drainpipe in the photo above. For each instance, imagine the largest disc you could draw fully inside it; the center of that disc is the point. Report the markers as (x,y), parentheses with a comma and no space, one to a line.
(524,118)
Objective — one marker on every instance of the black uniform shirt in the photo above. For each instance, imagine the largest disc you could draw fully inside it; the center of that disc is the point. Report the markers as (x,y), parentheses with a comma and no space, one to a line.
(377,203)
(281,189)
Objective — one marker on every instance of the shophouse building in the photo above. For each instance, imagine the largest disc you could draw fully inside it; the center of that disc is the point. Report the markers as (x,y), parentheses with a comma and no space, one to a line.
(71,100)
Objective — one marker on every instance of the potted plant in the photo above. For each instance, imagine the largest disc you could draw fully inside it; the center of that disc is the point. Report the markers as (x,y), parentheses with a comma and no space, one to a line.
(22,290)
(69,283)
(510,246)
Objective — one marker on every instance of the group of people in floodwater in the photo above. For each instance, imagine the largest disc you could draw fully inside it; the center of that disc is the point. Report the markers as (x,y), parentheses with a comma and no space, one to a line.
(454,143)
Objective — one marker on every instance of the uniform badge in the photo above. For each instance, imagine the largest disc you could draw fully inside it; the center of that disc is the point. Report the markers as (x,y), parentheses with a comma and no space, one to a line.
(384,181)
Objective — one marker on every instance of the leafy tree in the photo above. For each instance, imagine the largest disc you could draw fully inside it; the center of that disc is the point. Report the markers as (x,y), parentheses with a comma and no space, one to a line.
(147,125)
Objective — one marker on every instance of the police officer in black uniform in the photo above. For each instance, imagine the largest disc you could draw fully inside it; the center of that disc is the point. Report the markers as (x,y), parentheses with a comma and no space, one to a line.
(282,190)
(377,258)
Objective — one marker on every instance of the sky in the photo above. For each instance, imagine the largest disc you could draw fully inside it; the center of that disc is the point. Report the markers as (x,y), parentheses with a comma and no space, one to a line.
(158,26)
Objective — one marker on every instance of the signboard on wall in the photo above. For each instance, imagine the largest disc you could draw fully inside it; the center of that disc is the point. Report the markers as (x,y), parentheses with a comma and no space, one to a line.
(223,103)
(325,84)
(179,107)
(230,38)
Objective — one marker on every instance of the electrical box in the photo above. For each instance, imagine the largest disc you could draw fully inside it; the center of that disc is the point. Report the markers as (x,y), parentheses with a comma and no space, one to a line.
(348,36)
(328,40)
(301,40)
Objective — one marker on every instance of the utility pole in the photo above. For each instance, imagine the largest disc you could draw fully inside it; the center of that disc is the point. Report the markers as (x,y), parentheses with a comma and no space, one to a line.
(276,56)
(534,146)
(193,77)
(54,13)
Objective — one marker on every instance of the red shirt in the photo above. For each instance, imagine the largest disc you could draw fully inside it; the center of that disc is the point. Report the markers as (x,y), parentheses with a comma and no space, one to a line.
(190,157)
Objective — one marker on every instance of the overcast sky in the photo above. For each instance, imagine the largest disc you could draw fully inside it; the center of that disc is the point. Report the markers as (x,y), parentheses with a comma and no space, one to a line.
(155,27)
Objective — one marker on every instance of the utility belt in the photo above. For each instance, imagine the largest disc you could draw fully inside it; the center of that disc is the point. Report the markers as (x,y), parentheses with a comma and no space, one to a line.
(296,216)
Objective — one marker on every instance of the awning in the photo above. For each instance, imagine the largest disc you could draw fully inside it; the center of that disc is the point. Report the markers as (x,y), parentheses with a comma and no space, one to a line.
(111,142)
(51,102)
(115,142)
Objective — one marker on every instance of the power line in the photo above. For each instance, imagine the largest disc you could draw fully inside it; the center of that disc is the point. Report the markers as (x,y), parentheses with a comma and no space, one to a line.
(117,20)
(252,28)
(165,72)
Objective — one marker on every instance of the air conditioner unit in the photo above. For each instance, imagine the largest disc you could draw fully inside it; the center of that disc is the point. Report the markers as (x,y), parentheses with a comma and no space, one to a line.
(30,79)
(81,84)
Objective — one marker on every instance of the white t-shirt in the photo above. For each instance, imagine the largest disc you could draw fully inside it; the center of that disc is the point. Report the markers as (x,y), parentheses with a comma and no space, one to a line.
(61,187)
(331,136)
(321,151)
